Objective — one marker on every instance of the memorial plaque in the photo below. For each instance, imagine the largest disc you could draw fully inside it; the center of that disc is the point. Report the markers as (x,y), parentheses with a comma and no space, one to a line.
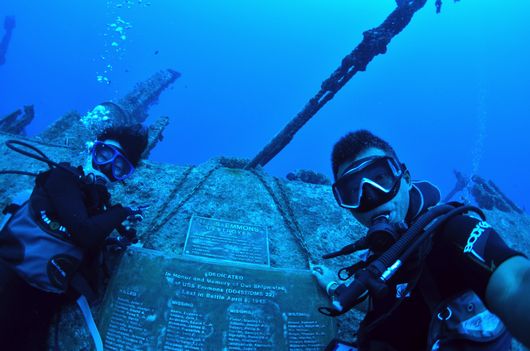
(175,304)
(227,241)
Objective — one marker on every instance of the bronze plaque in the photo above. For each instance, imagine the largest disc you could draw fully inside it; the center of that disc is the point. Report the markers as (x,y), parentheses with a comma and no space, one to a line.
(227,241)
(155,302)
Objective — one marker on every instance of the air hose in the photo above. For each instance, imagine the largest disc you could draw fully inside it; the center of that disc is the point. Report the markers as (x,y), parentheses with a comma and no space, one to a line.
(39,156)
(373,278)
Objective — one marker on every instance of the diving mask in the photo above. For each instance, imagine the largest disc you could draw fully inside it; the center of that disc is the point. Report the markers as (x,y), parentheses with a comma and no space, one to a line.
(368,183)
(105,154)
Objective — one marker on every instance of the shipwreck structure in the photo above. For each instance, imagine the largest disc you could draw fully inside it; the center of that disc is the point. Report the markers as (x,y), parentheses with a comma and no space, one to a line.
(298,214)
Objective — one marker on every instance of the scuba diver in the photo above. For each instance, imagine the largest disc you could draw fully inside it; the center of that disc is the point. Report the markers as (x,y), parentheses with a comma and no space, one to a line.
(51,245)
(9,25)
(429,269)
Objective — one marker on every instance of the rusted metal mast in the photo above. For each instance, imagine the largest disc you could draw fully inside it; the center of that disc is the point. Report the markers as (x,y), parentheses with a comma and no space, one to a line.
(375,42)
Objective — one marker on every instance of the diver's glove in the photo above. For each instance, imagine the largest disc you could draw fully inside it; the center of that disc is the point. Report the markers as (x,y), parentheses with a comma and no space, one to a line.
(117,243)
(128,234)
(126,237)
(325,278)
(136,214)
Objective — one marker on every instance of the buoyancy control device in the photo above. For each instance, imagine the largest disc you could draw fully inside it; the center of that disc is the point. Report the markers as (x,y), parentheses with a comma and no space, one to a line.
(458,323)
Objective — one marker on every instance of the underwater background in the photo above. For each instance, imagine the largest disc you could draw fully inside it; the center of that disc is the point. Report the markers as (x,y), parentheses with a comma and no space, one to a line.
(452,92)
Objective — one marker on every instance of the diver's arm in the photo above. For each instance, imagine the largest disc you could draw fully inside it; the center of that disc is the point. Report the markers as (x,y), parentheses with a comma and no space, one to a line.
(508,296)
(66,197)
(498,274)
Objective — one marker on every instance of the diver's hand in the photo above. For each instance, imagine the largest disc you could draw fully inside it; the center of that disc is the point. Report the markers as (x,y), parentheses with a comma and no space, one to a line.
(116,244)
(126,230)
(136,214)
(325,277)
(128,233)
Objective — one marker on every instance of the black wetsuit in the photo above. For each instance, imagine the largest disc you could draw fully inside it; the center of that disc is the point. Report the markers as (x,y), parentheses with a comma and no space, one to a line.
(453,270)
(26,312)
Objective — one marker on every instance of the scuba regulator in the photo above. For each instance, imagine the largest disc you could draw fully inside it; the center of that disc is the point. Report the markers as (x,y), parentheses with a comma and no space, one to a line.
(380,237)
(382,234)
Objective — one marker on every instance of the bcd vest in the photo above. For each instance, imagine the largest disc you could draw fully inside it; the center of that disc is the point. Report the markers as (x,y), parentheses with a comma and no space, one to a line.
(39,250)
(462,322)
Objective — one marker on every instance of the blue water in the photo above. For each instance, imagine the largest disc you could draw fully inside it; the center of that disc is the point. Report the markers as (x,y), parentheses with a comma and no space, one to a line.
(452,91)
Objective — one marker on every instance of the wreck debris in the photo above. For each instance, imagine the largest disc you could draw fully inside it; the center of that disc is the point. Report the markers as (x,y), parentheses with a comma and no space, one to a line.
(67,131)
(308,176)
(146,93)
(16,122)
(375,42)
(489,196)
(439,4)
(155,135)
(231,162)
(9,25)
(486,193)
(133,107)
(73,129)
(461,183)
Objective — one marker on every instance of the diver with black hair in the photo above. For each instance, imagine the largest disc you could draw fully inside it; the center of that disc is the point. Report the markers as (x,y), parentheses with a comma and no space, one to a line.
(431,272)
(9,25)
(51,245)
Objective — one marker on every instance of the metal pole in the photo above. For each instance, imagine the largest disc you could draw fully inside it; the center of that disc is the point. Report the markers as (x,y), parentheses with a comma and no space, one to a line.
(375,42)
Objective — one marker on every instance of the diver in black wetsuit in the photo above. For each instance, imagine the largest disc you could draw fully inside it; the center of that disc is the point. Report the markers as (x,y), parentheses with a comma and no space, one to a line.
(73,202)
(438,5)
(9,25)
(435,285)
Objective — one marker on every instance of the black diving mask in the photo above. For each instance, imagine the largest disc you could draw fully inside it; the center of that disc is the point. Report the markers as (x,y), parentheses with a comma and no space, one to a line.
(368,183)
